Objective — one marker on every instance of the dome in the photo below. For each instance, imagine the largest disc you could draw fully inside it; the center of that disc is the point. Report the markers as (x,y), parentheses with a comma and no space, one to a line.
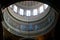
(29,10)
(29,18)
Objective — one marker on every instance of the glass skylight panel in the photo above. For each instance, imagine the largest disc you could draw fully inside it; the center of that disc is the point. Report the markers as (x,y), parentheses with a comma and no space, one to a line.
(45,6)
(41,9)
(15,8)
(35,12)
(21,12)
(28,13)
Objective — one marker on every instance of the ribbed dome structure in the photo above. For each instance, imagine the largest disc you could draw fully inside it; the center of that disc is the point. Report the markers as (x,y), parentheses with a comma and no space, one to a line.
(29,18)
(29,10)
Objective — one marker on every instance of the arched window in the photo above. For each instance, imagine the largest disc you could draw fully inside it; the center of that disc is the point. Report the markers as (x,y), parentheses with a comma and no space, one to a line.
(21,12)
(35,12)
(15,8)
(41,9)
(28,13)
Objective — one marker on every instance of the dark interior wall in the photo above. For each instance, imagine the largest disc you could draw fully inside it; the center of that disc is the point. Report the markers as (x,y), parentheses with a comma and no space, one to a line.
(53,3)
